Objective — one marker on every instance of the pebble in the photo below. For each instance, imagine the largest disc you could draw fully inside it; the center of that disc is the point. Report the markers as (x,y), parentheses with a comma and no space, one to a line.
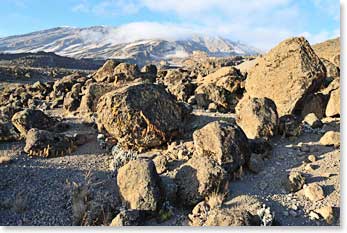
(294,207)
(312,158)
(327,213)
(313,215)
(293,213)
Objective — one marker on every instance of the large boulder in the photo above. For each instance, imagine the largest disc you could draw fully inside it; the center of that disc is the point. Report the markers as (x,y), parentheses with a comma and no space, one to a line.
(330,138)
(223,87)
(127,218)
(179,83)
(329,50)
(287,74)
(333,106)
(206,94)
(43,143)
(7,130)
(332,70)
(139,185)
(125,72)
(227,77)
(240,211)
(64,85)
(105,72)
(198,178)
(315,103)
(224,142)
(72,99)
(141,116)
(92,95)
(29,118)
(257,117)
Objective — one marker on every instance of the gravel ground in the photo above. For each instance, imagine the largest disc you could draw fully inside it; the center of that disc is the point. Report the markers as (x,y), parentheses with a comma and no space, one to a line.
(35,191)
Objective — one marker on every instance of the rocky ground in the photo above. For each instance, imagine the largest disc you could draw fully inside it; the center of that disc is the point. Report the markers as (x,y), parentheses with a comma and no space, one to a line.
(212,143)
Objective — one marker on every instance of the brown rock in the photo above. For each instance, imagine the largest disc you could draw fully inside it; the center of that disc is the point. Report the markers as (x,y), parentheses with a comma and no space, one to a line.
(198,178)
(330,138)
(240,211)
(29,118)
(43,143)
(125,72)
(314,192)
(161,162)
(92,94)
(312,120)
(179,83)
(222,87)
(224,142)
(106,71)
(256,163)
(127,218)
(257,117)
(329,50)
(333,107)
(289,126)
(294,182)
(332,70)
(287,74)
(141,116)
(210,93)
(139,185)
(315,103)
(327,213)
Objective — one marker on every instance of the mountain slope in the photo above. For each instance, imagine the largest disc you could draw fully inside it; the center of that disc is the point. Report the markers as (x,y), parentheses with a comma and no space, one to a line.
(110,42)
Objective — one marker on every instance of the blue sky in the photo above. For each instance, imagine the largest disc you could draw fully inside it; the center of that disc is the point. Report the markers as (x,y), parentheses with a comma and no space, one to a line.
(261,23)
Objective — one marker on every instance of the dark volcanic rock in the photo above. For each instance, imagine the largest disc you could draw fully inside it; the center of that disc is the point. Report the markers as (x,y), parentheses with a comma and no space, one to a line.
(224,142)
(43,143)
(141,116)
(28,119)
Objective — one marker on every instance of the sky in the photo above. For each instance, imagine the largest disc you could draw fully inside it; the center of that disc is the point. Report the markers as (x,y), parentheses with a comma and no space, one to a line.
(260,23)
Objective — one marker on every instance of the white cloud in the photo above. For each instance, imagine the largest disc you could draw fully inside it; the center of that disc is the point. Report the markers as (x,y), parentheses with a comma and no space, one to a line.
(139,31)
(261,23)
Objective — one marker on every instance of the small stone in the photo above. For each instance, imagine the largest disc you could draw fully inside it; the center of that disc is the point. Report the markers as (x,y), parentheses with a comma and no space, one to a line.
(212,107)
(100,137)
(314,192)
(330,138)
(256,163)
(312,120)
(294,182)
(160,163)
(327,213)
(312,158)
(294,207)
(313,215)
(293,213)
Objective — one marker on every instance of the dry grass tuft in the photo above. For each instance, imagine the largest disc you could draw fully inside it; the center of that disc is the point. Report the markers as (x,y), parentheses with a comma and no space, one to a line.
(216,199)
